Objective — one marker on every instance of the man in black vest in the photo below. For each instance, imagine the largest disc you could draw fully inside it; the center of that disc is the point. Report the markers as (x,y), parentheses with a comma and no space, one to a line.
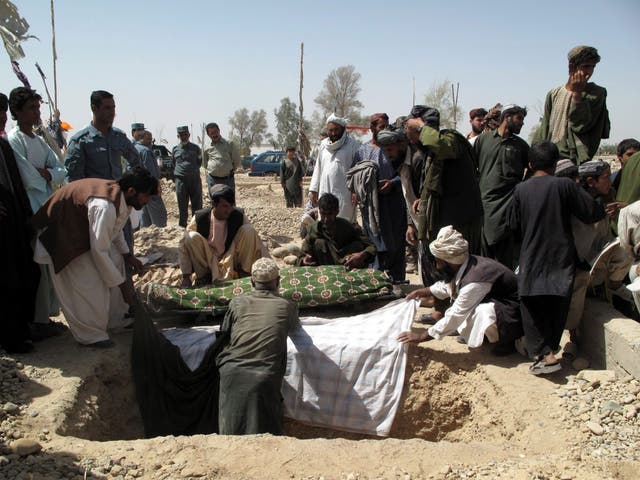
(483,292)
(219,243)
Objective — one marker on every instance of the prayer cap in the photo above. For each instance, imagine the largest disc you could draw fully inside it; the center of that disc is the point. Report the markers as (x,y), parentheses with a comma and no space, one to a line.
(264,270)
(219,188)
(512,108)
(377,116)
(477,112)
(137,126)
(389,137)
(566,168)
(592,168)
(583,54)
(333,118)
(449,246)
(429,115)
(183,129)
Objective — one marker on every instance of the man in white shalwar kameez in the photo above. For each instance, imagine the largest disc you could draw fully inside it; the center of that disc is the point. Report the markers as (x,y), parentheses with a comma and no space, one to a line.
(89,277)
(336,155)
(484,297)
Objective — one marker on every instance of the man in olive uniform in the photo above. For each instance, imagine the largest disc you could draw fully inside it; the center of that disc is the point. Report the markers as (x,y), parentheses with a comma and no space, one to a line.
(222,158)
(188,160)
(253,363)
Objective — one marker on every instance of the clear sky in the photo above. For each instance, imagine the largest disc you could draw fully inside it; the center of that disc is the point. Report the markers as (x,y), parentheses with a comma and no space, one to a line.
(171,63)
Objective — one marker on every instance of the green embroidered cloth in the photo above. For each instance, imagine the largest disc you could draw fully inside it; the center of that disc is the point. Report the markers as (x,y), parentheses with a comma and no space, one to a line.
(307,286)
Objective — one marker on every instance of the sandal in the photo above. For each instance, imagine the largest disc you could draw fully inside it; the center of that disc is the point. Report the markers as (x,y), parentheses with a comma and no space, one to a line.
(427,319)
(541,367)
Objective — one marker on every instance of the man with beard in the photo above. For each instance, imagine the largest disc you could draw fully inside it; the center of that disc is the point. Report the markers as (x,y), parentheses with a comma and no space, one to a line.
(476,119)
(575,114)
(336,156)
(484,296)
(382,205)
(335,241)
(502,162)
(81,241)
(219,242)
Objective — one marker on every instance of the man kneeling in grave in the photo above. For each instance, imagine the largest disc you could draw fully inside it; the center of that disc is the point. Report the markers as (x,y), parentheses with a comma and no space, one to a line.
(219,243)
(333,240)
(483,292)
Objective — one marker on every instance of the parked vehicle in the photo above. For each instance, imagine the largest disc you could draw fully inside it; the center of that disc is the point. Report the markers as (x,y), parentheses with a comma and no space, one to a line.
(246,161)
(267,163)
(163,154)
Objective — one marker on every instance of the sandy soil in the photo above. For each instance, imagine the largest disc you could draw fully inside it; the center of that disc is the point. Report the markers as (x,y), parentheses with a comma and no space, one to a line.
(464,414)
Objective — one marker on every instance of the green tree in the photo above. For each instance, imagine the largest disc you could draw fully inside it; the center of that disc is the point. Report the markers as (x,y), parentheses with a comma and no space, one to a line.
(287,123)
(340,92)
(535,131)
(287,119)
(440,97)
(248,129)
(607,149)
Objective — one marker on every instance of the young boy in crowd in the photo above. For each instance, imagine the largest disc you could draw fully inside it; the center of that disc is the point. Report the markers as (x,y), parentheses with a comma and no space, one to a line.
(540,217)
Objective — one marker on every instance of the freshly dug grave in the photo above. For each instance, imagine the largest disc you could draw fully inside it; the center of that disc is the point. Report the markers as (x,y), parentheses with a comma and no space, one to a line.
(463,414)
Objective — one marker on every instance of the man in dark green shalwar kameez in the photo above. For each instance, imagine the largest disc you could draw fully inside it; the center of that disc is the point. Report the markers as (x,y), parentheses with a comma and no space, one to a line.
(253,364)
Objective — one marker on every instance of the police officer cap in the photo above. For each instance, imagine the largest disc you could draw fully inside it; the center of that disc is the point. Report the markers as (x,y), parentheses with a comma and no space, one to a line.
(264,270)
(137,126)
(183,129)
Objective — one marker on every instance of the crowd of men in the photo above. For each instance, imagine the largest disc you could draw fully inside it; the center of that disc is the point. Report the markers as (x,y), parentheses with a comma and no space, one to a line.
(471,211)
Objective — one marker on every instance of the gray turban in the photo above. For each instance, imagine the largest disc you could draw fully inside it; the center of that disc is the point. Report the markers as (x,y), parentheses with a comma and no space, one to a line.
(429,115)
(389,137)
(333,118)
(592,168)
(566,168)
(449,246)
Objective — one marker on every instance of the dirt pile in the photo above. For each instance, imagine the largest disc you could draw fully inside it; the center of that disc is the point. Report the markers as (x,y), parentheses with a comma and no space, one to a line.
(484,417)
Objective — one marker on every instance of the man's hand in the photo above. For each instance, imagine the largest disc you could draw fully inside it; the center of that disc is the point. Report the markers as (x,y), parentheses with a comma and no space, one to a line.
(44,173)
(308,261)
(356,260)
(354,199)
(186,281)
(384,186)
(414,337)
(134,263)
(128,293)
(313,198)
(411,236)
(577,81)
(421,293)
(415,208)
(613,208)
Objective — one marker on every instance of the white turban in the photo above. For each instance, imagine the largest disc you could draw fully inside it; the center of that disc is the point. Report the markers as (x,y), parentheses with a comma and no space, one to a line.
(335,119)
(449,246)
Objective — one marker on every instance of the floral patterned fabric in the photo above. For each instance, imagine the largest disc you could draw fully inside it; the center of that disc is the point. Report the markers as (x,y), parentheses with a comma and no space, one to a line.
(309,287)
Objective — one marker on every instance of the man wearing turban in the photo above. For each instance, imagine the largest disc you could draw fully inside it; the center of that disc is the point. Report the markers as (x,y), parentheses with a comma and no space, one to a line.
(336,156)
(382,204)
(575,114)
(484,295)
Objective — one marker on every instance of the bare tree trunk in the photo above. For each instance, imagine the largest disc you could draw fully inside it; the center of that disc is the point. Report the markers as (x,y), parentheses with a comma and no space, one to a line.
(55,58)
(303,141)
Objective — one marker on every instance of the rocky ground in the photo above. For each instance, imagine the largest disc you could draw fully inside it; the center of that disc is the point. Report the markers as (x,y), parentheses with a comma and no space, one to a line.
(69,412)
